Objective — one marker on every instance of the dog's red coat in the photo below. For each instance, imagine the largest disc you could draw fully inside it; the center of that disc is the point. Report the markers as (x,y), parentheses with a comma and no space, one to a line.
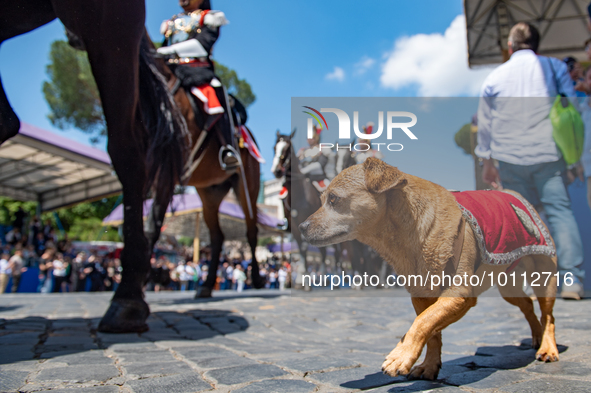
(498,228)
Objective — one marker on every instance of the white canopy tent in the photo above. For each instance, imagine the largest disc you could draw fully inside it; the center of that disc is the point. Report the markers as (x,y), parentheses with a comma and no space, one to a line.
(38,165)
(562,25)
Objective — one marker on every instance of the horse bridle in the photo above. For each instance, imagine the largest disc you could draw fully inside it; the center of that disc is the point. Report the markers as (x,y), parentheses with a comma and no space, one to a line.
(285,160)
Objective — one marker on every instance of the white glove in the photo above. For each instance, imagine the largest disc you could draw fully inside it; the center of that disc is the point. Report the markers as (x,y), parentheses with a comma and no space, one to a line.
(189,48)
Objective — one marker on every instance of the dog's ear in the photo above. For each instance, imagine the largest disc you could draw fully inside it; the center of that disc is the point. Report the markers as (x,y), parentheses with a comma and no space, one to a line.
(380,177)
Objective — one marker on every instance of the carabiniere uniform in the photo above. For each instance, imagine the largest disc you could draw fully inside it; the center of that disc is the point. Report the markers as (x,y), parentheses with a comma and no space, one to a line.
(203,26)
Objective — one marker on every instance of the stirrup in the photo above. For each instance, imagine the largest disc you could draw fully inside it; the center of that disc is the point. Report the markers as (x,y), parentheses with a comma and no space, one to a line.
(234,156)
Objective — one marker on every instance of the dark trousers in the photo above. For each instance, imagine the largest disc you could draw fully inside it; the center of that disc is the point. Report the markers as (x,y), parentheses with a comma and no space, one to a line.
(16,280)
(57,283)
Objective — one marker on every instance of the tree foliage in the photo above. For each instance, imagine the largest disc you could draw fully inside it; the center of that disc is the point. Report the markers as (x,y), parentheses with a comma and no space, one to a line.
(462,138)
(236,86)
(74,100)
(81,222)
(71,91)
(8,207)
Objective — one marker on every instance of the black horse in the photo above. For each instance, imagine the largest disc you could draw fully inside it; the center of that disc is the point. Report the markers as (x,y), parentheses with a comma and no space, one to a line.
(146,132)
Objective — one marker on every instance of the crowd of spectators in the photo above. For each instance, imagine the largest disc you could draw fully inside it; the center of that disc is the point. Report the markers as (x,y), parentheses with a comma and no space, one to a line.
(232,274)
(36,247)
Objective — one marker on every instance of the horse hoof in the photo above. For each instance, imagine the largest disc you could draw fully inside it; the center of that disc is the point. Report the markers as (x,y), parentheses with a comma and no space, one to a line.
(203,293)
(125,316)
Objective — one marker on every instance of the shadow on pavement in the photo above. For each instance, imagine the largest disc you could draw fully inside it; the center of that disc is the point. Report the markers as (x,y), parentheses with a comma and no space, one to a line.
(460,371)
(41,338)
(220,296)
(8,308)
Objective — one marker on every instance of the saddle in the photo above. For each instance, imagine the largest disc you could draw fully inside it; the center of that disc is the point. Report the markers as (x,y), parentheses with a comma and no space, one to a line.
(205,97)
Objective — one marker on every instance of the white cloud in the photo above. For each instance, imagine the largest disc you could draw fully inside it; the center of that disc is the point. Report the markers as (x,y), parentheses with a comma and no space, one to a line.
(363,65)
(337,74)
(436,63)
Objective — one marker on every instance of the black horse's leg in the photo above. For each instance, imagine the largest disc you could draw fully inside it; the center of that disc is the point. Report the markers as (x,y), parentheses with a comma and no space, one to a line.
(211,197)
(9,122)
(156,216)
(251,222)
(17,18)
(111,31)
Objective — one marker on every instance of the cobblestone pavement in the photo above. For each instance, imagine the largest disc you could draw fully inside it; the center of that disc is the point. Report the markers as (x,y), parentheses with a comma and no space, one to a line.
(263,342)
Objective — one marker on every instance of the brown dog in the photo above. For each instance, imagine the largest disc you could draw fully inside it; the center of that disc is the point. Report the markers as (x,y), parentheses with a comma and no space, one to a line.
(417,226)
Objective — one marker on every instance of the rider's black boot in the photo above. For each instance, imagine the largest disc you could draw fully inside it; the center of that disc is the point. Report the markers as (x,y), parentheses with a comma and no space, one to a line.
(228,158)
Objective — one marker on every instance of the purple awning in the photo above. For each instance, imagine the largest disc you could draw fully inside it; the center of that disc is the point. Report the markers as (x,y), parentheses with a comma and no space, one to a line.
(189,203)
(64,143)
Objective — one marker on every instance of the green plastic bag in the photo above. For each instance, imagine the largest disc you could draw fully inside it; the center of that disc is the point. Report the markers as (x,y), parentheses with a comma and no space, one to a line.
(568,129)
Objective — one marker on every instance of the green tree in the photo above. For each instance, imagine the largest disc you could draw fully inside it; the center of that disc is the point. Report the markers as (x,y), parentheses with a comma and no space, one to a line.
(462,138)
(74,99)
(84,220)
(236,86)
(71,91)
(8,207)
(80,222)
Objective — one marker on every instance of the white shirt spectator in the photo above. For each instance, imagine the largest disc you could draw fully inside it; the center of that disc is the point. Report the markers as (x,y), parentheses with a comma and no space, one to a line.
(239,275)
(59,268)
(185,272)
(518,130)
(4,267)
(282,275)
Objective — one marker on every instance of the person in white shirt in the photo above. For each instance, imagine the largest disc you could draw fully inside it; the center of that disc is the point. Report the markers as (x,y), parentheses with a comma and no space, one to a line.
(514,128)
(229,275)
(239,277)
(185,273)
(282,277)
(272,279)
(5,272)
(60,269)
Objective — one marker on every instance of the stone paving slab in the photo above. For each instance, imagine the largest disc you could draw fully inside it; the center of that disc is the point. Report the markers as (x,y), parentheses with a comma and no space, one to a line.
(184,383)
(241,374)
(145,370)
(258,341)
(77,374)
(278,385)
(91,389)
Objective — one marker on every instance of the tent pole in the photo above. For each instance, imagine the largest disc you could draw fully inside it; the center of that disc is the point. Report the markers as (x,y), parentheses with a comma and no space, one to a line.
(196,245)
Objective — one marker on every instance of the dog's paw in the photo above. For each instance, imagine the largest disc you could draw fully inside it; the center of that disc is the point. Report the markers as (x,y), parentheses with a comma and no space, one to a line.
(547,353)
(397,363)
(425,371)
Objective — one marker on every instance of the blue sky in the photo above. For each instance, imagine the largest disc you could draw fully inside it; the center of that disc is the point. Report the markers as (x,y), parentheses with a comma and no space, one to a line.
(304,49)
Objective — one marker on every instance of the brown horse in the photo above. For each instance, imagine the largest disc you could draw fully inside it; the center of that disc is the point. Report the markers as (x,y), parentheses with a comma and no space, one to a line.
(213,183)
(146,133)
